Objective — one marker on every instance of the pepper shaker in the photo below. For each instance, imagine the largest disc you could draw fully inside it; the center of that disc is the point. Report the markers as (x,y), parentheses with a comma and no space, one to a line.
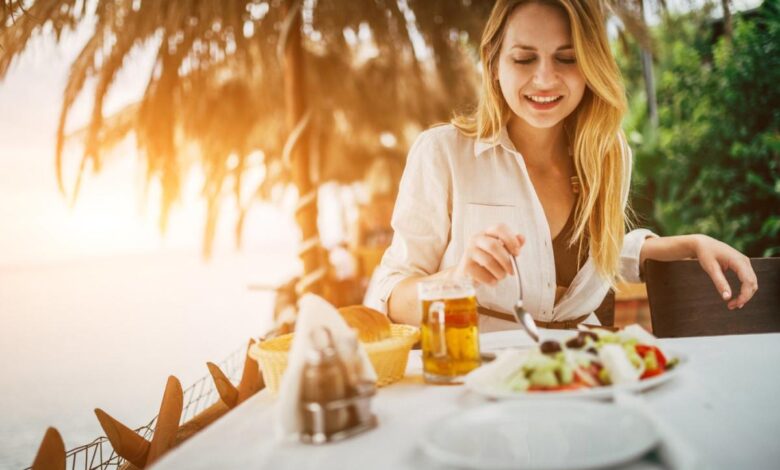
(324,380)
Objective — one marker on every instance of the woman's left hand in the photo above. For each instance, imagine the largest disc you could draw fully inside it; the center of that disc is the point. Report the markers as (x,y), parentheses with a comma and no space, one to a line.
(716,257)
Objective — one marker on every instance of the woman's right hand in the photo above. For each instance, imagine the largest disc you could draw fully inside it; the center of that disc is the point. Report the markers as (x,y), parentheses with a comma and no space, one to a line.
(486,259)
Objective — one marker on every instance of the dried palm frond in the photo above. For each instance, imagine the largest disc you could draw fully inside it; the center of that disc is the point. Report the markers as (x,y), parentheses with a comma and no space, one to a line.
(214,95)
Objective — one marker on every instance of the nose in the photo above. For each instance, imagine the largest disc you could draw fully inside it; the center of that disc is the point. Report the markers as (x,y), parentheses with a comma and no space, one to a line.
(545,75)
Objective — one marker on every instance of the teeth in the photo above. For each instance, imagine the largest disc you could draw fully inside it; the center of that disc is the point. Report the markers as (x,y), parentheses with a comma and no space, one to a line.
(543,99)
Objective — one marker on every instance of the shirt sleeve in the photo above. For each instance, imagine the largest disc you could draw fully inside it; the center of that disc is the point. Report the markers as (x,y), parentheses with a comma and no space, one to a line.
(629,269)
(421,221)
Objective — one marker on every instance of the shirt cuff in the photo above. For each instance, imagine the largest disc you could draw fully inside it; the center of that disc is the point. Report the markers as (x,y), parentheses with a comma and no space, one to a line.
(380,287)
(629,255)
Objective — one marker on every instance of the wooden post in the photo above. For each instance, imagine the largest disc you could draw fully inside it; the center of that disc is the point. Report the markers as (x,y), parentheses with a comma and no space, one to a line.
(295,108)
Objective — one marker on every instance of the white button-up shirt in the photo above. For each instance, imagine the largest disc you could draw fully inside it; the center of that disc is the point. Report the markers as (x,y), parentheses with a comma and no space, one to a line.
(454,187)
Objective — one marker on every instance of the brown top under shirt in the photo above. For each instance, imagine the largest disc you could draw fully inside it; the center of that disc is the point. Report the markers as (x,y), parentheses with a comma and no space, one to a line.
(567,261)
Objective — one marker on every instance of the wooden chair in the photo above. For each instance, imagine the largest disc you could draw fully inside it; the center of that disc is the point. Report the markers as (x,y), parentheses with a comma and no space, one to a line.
(51,453)
(684,302)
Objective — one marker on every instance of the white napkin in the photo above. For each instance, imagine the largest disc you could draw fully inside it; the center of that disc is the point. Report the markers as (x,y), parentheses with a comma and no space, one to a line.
(673,450)
(313,312)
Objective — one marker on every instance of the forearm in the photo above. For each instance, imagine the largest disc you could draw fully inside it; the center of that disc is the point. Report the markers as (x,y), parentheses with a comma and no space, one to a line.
(403,305)
(669,248)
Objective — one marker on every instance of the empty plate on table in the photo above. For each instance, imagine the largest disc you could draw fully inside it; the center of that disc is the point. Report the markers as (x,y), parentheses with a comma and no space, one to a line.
(540,435)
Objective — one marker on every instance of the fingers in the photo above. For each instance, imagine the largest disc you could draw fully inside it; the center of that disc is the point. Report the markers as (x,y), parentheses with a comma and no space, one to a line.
(496,250)
(747,277)
(480,274)
(491,262)
(712,268)
(512,241)
(487,258)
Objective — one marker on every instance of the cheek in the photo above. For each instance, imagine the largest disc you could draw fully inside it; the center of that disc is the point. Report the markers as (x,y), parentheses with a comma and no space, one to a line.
(575,82)
(509,83)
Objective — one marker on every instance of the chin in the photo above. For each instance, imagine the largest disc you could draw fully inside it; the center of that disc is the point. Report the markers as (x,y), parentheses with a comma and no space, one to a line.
(542,122)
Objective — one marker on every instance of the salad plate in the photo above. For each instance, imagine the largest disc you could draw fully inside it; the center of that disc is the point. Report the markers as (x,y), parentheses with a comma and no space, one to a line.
(546,435)
(592,364)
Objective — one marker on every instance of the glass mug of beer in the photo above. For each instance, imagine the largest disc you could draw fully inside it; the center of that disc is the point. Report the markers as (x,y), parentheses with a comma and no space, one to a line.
(450,333)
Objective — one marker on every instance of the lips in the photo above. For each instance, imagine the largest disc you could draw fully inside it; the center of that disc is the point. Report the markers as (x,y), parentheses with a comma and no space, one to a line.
(543,102)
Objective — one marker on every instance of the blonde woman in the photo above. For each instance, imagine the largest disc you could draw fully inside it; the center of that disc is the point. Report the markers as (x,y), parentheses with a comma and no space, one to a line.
(540,171)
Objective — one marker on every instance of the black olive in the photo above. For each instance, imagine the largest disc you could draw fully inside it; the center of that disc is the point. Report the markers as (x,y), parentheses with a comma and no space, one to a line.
(592,350)
(589,334)
(576,343)
(550,347)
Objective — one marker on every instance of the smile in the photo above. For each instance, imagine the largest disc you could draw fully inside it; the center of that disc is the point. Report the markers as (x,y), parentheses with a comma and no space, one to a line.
(543,99)
(543,103)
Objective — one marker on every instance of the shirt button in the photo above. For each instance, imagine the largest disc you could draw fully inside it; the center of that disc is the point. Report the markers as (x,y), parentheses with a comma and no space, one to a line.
(549,285)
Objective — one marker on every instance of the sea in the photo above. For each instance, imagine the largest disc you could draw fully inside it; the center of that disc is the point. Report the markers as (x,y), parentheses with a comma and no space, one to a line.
(107,332)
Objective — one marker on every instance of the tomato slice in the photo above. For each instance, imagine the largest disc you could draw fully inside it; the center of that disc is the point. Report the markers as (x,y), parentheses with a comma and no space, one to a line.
(643,350)
(651,373)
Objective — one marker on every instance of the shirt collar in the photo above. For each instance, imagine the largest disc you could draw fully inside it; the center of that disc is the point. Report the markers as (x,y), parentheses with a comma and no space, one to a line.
(484,144)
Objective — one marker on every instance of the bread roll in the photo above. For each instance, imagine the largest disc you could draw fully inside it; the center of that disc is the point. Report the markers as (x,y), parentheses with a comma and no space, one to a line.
(371,325)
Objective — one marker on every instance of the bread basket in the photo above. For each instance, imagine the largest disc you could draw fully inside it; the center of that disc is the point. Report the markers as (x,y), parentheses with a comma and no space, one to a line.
(388,356)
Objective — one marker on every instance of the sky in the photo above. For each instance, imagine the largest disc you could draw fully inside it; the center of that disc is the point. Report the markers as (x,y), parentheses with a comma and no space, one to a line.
(112,215)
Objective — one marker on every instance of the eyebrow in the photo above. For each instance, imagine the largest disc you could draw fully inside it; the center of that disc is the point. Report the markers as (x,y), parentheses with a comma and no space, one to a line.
(532,48)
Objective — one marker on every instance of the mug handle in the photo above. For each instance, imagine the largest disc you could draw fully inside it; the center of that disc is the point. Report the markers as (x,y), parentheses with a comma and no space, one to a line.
(436,315)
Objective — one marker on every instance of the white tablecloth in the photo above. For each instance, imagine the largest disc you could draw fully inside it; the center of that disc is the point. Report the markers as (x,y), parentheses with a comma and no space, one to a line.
(725,405)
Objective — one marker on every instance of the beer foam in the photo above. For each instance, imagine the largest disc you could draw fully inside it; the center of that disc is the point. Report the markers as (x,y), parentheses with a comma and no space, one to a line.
(445,289)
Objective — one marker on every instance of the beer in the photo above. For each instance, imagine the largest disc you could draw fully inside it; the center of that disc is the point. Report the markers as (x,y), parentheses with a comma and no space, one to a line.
(450,333)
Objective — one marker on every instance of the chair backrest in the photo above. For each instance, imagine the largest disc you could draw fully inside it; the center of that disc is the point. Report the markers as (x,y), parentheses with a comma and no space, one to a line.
(606,311)
(684,302)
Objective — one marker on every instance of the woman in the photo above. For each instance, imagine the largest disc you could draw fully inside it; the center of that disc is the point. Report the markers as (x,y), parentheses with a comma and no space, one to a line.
(540,171)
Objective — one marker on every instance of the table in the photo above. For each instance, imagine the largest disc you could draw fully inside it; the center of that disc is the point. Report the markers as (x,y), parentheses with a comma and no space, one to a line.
(725,405)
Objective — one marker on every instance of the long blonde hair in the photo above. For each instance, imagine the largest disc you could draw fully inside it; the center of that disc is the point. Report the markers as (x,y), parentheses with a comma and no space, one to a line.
(596,138)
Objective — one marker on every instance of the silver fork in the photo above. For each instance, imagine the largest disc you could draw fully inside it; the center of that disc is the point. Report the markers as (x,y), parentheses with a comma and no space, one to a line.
(521,314)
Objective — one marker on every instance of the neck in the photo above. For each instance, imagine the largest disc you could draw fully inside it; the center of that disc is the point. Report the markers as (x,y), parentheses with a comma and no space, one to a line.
(539,147)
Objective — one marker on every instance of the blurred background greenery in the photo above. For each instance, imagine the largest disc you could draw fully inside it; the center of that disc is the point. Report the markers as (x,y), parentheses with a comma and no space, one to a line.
(712,164)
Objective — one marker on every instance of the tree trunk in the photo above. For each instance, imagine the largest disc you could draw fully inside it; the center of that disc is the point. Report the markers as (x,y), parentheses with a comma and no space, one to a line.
(649,77)
(727,27)
(652,100)
(295,108)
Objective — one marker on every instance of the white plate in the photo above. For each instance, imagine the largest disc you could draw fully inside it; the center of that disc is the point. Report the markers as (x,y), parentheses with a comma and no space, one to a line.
(477,382)
(542,435)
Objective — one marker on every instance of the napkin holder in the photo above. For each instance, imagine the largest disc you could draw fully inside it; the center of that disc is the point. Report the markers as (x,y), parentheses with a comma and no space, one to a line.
(358,406)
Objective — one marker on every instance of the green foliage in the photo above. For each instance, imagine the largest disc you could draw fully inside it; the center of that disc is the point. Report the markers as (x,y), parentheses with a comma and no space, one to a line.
(713,164)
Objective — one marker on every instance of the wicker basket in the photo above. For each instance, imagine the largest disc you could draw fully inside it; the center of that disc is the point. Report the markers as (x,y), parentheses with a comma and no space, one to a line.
(388,356)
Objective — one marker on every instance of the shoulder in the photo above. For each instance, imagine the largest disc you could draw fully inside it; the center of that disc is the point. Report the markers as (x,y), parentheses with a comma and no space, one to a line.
(444,140)
(446,135)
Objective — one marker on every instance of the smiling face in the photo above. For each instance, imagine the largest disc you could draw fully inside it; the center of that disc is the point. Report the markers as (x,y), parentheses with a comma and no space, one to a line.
(537,69)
